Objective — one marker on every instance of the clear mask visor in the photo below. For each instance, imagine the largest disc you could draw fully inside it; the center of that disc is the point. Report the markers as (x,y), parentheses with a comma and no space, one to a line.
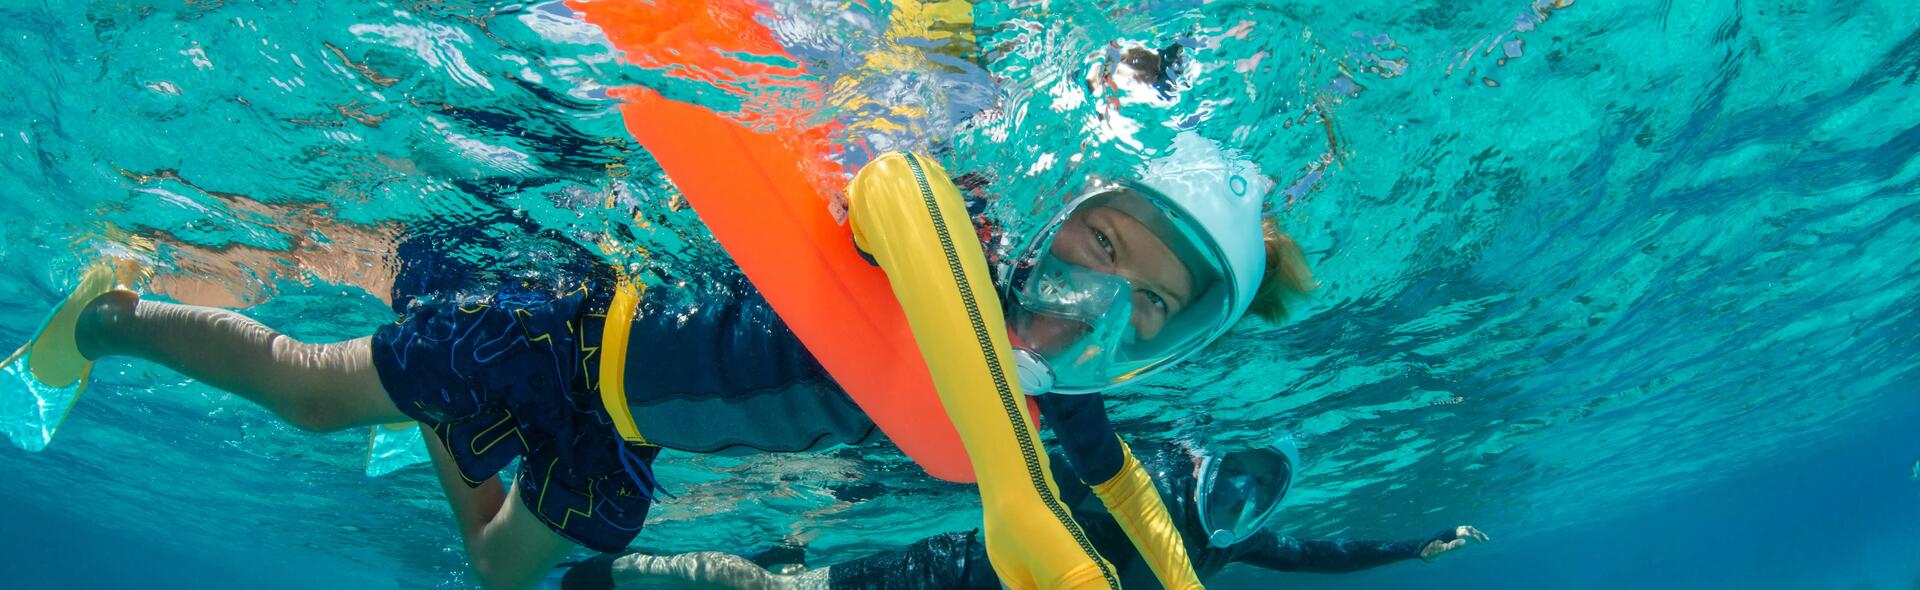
(1073,305)
(1239,493)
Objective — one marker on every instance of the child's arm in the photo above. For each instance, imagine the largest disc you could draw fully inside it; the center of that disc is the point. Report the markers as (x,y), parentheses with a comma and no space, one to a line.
(509,548)
(1103,463)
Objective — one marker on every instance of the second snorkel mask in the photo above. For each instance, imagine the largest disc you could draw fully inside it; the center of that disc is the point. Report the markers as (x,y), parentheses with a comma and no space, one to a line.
(1237,493)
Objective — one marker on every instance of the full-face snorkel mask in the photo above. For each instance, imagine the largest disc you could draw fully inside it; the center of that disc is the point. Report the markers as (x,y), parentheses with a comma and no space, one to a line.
(1238,492)
(1075,327)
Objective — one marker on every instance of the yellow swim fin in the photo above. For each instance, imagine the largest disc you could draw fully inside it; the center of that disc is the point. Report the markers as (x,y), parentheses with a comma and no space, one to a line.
(50,369)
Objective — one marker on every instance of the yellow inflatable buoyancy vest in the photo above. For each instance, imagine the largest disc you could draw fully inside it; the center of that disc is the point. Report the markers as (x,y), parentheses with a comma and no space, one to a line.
(905,213)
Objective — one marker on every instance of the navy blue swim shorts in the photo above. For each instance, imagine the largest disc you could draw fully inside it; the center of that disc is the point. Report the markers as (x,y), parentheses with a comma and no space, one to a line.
(516,377)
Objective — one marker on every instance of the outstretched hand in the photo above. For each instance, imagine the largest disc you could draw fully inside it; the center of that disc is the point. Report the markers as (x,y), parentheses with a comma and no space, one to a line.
(1454,539)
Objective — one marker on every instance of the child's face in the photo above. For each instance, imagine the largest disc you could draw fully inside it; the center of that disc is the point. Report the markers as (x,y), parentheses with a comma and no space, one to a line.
(1109,240)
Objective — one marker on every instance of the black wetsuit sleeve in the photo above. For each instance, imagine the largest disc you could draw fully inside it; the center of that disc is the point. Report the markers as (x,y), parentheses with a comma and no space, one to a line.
(1287,554)
(1086,436)
(1072,491)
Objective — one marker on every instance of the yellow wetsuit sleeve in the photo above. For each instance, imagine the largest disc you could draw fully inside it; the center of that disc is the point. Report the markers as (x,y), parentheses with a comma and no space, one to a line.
(908,216)
(1135,503)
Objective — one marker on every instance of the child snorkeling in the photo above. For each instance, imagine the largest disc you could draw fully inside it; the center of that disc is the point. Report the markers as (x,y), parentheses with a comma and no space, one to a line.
(1130,277)
(1133,275)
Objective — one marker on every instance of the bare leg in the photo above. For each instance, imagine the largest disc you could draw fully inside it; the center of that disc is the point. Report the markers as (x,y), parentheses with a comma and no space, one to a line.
(317,387)
(508,547)
(707,570)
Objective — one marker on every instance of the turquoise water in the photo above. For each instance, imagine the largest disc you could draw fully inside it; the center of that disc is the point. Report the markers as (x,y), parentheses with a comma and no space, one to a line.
(1591,268)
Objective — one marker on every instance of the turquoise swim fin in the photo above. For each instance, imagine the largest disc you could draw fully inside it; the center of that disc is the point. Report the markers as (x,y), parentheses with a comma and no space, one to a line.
(393,446)
(50,371)
(31,412)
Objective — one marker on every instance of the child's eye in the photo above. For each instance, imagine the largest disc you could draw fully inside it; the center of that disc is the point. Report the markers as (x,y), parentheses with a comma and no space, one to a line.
(1156,300)
(1105,244)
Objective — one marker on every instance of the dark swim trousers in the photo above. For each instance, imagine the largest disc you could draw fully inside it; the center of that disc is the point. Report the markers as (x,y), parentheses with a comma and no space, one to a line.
(516,377)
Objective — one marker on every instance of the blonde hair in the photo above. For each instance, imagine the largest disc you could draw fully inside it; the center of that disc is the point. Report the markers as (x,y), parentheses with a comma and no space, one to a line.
(1287,281)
